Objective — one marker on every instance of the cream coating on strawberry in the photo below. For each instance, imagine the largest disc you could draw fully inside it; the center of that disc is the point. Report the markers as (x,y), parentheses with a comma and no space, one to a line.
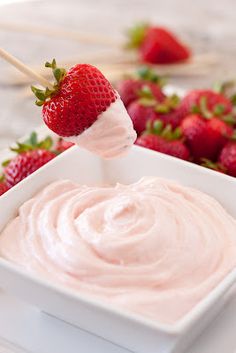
(111,135)
(83,108)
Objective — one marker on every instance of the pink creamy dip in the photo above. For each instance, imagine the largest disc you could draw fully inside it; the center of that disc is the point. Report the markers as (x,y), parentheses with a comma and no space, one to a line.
(155,248)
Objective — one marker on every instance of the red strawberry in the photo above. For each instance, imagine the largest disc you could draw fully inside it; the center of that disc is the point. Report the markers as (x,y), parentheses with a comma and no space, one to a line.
(176,149)
(78,98)
(207,102)
(205,138)
(194,130)
(140,114)
(150,141)
(157,45)
(227,158)
(147,108)
(145,81)
(218,133)
(25,164)
(174,117)
(159,144)
(3,188)
(164,140)
(168,111)
(161,46)
(63,145)
(129,90)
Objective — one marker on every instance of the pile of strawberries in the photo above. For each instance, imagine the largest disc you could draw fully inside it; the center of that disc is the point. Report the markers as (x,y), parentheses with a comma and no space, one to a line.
(199,128)
(30,156)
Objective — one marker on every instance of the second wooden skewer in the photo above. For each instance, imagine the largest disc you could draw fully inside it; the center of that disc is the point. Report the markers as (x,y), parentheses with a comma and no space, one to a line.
(61,33)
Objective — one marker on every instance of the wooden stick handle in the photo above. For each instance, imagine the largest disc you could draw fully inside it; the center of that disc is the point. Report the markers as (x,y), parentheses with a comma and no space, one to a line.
(58,32)
(24,69)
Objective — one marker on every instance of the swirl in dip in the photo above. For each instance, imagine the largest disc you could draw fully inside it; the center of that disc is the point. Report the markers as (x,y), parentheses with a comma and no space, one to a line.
(155,248)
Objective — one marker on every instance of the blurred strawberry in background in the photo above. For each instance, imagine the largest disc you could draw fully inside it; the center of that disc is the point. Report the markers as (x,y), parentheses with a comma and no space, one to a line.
(157,45)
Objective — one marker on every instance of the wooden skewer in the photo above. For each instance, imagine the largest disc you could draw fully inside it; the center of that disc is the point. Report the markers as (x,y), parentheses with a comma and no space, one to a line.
(84,37)
(25,69)
(190,69)
(101,59)
(108,61)
(113,74)
(61,33)
(116,72)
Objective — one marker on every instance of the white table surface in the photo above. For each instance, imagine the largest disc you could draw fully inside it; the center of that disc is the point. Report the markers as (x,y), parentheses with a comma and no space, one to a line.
(210,25)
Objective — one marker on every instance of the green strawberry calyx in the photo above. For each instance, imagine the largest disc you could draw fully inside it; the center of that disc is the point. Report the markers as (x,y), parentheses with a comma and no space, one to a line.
(212,165)
(168,105)
(147,99)
(147,74)
(2,178)
(136,35)
(218,111)
(32,143)
(226,88)
(157,127)
(45,95)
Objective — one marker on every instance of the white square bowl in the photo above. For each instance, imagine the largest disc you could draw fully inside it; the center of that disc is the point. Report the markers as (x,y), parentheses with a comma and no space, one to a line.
(131,331)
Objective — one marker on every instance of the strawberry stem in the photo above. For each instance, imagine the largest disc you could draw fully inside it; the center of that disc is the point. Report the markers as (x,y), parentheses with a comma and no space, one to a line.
(233,137)
(136,35)
(32,144)
(167,132)
(45,95)
(157,127)
(2,178)
(147,102)
(170,103)
(147,74)
(149,128)
(227,89)
(233,99)
(5,163)
(229,119)
(224,87)
(204,109)
(212,165)
(145,92)
(219,109)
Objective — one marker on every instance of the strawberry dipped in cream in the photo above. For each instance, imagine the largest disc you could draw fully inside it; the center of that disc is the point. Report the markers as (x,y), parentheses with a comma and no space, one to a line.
(154,248)
(84,108)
